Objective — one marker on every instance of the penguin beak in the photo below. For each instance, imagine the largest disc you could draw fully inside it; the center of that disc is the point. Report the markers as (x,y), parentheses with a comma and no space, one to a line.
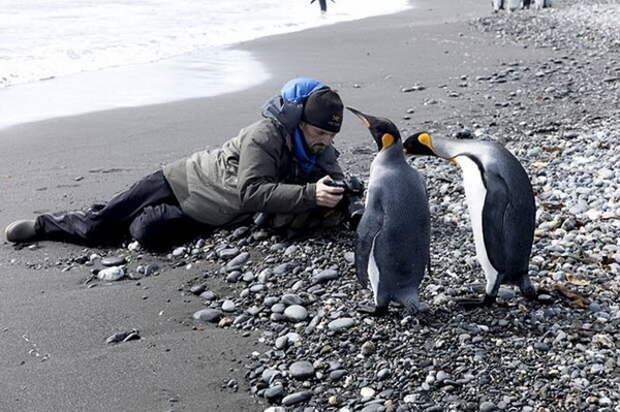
(360,115)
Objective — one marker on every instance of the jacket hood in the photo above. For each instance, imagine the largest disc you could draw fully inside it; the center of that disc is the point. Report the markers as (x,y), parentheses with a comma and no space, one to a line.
(287,107)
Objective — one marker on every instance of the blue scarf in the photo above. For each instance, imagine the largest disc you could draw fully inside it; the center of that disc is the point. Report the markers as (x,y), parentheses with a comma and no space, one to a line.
(306,162)
(297,91)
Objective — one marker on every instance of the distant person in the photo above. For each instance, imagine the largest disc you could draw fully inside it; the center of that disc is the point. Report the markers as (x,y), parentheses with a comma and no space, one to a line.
(279,166)
(323,4)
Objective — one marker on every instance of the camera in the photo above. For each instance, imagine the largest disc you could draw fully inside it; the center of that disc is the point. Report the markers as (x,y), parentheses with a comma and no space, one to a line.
(352,186)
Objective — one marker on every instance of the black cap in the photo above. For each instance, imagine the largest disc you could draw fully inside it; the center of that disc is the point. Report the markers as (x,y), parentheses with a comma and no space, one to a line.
(323,109)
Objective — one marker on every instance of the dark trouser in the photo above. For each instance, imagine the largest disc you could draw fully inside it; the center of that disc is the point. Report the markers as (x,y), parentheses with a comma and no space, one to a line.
(148,211)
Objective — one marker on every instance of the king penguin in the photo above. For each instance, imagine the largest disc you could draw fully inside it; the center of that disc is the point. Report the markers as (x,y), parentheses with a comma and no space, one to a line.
(501,208)
(393,236)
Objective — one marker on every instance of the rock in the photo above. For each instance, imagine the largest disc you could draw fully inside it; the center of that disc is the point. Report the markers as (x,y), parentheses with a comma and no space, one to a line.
(291,299)
(111,274)
(274,393)
(208,315)
(296,313)
(367,392)
(151,269)
(238,260)
(487,406)
(339,325)
(228,306)
(240,232)
(123,337)
(178,252)
(301,370)
(297,397)
(228,253)
(113,261)
(325,276)
(197,289)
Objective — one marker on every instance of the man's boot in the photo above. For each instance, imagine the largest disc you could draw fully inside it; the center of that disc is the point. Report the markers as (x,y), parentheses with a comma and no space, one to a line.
(21,231)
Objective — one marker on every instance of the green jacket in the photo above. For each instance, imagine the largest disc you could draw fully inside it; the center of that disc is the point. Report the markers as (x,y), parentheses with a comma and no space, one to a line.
(253,172)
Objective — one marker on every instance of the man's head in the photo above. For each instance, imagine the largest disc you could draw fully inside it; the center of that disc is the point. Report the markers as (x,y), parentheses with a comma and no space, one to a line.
(321,119)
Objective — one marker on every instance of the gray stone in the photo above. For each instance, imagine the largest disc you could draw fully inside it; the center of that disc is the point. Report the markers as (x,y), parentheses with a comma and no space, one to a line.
(325,276)
(487,406)
(297,397)
(151,269)
(208,315)
(113,261)
(111,274)
(274,393)
(239,260)
(296,313)
(228,253)
(341,324)
(180,251)
(228,306)
(301,370)
(291,299)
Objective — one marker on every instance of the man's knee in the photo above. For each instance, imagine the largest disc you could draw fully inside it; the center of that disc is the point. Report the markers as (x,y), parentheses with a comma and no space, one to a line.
(152,226)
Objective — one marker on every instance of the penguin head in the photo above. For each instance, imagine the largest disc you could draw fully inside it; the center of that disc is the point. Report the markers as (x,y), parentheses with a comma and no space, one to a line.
(383,131)
(419,143)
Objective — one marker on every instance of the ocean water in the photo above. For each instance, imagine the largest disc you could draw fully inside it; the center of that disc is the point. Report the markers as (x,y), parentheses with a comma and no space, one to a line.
(82,55)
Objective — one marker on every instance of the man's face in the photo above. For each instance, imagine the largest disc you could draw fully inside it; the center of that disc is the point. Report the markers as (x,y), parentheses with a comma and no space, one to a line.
(317,139)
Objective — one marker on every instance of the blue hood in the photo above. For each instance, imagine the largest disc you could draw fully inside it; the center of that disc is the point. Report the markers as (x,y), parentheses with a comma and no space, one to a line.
(288,106)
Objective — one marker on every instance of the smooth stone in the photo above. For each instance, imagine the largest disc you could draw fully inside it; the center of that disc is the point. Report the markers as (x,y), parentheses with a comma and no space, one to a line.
(197,289)
(180,251)
(296,313)
(337,374)
(325,276)
(208,295)
(384,374)
(113,261)
(301,370)
(341,324)
(281,269)
(291,250)
(487,406)
(269,375)
(228,306)
(297,397)
(111,274)
(274,393)
(239,232)
(239,260)
(228,253)
(151,269)
(291,299)
(281,342)
(278,308)
(367,392)
(208,315)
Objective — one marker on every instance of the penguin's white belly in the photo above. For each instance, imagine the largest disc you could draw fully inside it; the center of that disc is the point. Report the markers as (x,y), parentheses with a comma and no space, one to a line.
(373,270)
(475,193)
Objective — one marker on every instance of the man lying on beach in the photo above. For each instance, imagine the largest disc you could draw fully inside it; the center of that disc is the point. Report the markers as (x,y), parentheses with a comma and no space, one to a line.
(279,166)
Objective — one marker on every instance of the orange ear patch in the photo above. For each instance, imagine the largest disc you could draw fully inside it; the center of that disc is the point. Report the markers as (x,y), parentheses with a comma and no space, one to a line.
(425,139)
(387,140)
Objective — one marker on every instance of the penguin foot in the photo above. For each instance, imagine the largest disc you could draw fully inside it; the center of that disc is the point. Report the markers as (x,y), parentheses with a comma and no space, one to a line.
(373,310)
(472,303)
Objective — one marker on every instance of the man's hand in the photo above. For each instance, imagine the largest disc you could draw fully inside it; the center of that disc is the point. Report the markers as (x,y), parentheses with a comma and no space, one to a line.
(327,196)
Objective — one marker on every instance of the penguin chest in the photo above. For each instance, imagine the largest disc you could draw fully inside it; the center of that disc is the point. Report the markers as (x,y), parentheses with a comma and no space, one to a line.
(475,194)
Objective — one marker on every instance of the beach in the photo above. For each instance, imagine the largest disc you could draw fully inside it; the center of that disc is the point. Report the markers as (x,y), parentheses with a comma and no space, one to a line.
(549,94)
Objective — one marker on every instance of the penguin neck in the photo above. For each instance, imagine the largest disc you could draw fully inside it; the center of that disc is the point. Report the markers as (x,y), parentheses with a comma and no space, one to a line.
(394,153)
(449,148)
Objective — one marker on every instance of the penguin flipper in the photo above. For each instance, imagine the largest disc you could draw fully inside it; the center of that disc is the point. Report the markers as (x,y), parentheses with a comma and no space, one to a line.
(367,231)
(496,202)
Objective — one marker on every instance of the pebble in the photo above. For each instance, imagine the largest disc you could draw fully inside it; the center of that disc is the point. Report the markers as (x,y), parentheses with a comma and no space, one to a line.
(228,306)
(113,261)
(339,325)
(325,276)
(301,370)
(297,397)
(208,315)
(296,313)
(111,274)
